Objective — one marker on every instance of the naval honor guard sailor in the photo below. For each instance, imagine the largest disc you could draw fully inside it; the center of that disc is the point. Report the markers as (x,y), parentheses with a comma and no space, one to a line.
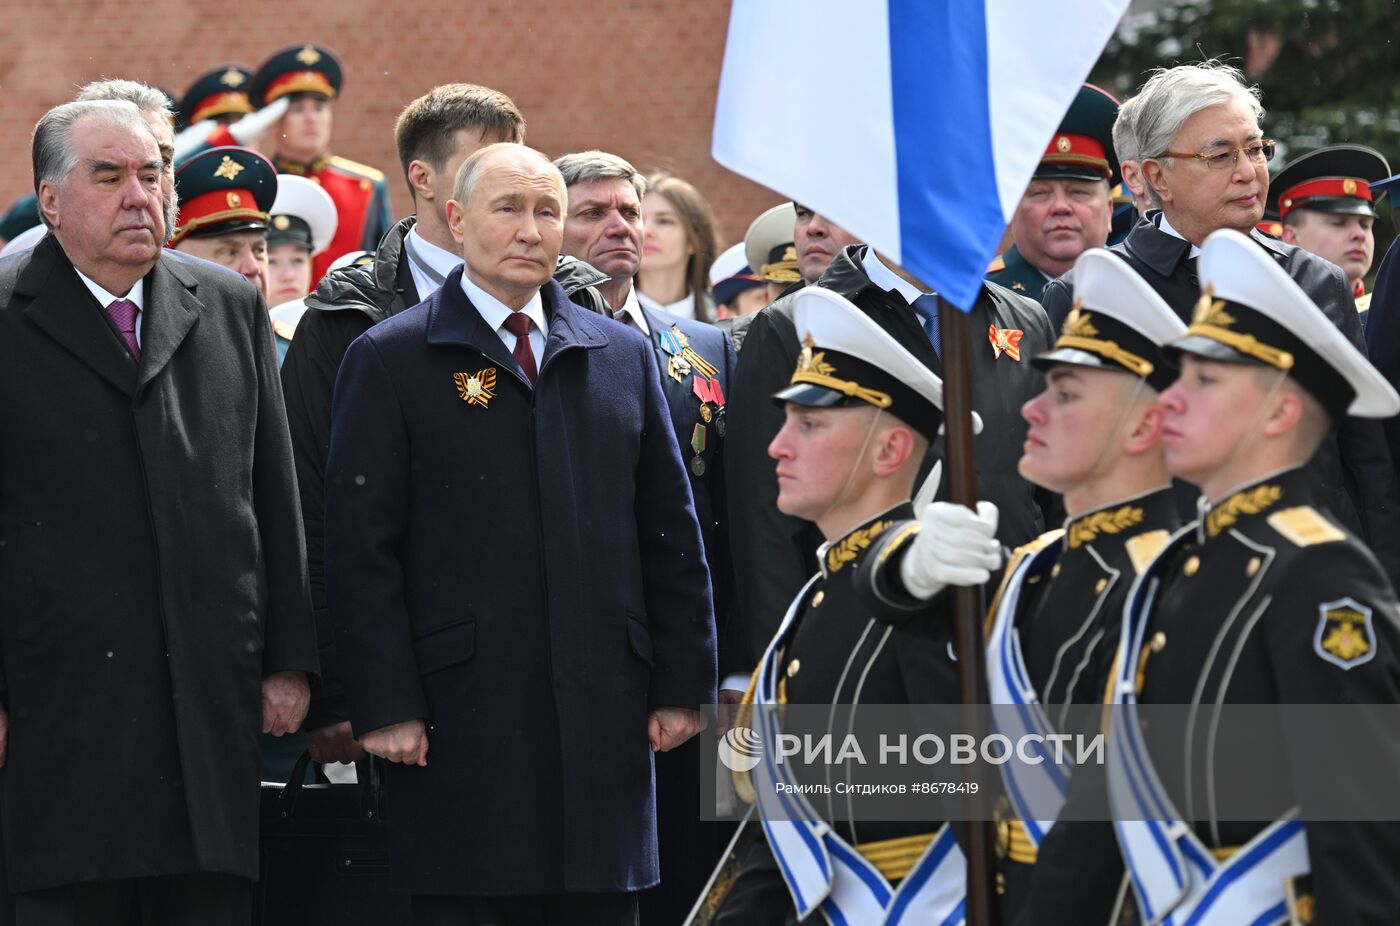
(1053,627)
(860,413)
(1268,599)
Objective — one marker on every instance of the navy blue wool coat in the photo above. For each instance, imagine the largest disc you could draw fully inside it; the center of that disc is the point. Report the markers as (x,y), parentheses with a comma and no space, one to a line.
(521,568)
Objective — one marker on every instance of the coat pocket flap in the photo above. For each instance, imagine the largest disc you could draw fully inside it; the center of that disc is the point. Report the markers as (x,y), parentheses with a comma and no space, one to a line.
(640,638)
(445,646)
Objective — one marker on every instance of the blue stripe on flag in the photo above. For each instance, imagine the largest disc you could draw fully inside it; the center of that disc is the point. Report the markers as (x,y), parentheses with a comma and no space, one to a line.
(950,212)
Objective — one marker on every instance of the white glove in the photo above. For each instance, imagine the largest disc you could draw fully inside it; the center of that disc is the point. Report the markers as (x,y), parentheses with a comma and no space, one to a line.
(193,137)
(251,127)
(955,546)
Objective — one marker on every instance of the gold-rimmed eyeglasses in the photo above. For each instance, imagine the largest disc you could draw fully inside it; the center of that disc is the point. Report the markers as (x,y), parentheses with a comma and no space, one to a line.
(1259,151)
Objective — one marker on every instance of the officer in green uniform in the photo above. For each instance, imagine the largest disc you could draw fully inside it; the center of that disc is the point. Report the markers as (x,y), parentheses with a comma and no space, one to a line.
(1067,207)
(1095,437)
(225,195)
(860,413)
(310,77)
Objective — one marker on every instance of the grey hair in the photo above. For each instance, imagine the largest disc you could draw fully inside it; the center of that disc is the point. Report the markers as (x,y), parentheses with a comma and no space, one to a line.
(145,98)
(1173,95)
(470,171)
(1124,143)
(587,166)
(52,150)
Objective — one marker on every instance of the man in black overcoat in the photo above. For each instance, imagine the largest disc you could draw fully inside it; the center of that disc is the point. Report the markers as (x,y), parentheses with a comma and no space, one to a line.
(155,617)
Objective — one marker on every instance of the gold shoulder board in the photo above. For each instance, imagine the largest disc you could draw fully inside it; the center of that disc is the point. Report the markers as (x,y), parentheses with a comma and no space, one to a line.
(355,167)
(1304,526)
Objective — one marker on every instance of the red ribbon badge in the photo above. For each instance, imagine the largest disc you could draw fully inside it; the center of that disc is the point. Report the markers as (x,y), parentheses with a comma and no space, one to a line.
(1005,341)
(707,390)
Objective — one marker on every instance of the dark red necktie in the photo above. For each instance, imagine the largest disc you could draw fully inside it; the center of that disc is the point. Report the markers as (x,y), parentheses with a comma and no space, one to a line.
(518,324)
(122,312)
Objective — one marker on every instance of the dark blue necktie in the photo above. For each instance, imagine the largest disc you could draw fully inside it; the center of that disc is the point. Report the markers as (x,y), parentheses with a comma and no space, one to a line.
(926,307)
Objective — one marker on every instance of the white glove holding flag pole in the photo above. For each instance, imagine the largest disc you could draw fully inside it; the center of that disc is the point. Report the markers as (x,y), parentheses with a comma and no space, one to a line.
(955,546)
(245,131)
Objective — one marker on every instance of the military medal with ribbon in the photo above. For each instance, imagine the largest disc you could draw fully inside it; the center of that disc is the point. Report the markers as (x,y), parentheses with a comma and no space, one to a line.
(678,367)
(711,398)
(697,443)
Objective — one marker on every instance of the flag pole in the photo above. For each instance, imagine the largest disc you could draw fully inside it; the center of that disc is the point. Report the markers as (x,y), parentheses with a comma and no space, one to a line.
(968,607)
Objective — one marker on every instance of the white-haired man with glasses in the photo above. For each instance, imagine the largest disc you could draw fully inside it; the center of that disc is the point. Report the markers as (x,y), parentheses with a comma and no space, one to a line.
(1203,160)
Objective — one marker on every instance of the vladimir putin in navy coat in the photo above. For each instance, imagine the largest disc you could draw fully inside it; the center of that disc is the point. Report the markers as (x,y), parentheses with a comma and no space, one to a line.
(515,572)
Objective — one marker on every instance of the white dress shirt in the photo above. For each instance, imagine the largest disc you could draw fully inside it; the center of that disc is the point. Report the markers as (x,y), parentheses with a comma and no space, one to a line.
(438,260)
(683,308)
(137,296)
(885,278)
(632,308)
(495,312)
(1166,226)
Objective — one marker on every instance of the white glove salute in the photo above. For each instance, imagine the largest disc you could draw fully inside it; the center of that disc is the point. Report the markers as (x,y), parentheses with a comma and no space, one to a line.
(245,131)
(251,127)
(955,546)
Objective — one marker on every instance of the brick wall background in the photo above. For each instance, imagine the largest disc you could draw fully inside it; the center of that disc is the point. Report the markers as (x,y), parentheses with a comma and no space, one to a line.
(636,77)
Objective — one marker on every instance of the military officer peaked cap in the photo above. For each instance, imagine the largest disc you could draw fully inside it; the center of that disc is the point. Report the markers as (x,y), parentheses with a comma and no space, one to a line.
(220,92)
(303,68)
(303,214)
(1118,322)
(1334,179)
(1251,311)
(224,190)
(1082,147)
(771,234)
(848,360)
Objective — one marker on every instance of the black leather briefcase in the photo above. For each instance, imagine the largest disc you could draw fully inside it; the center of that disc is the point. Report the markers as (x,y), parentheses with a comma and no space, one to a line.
(325,854)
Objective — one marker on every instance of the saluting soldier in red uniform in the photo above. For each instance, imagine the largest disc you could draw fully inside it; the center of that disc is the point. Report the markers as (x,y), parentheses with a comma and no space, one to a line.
(310,77)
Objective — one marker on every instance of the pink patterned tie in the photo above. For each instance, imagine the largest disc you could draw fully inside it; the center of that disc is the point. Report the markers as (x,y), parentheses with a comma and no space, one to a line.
(123,315)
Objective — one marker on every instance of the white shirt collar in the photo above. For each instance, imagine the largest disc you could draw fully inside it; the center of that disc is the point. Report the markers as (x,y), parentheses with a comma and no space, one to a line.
(439,259)
(104,298)
(885,278)
(1166,226)
(681,308)
(633,308)
(495,312)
